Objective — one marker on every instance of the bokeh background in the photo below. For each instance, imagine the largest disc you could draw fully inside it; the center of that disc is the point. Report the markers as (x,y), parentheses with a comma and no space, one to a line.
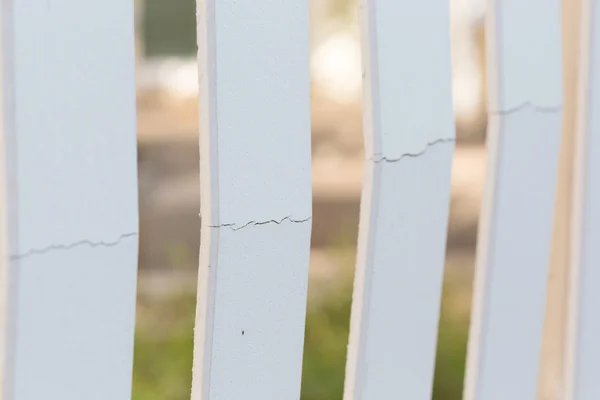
(170,200)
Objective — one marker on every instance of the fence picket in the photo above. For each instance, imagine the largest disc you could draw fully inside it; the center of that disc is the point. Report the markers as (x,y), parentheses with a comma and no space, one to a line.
(525,111)
(68,200)
(584,328)
(409,143)
(255,198)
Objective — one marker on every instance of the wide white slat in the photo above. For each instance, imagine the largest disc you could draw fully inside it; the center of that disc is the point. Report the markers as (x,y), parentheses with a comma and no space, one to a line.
(525,110)
(69,218)
(584,328)
(255,198)
(409,143)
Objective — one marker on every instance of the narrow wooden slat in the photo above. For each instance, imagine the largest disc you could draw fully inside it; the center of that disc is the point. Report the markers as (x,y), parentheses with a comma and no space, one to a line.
(409,143)
(68,258)
(552,363)
(255,198)
(584,327)
(525,110)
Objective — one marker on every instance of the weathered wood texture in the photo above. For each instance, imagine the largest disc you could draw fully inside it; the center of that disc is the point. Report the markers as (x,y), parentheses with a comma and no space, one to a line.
(584,328)
(69,216)
(255,198)
(525,110)
(409,142)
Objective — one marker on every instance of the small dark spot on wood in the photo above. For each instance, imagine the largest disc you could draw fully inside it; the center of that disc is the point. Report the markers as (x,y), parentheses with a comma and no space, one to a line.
(242,333)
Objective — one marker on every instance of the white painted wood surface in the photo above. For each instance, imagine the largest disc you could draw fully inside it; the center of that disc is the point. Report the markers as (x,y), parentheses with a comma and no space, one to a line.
(69,217)
(583,353)
(255,199)
(409,142)
(525,111)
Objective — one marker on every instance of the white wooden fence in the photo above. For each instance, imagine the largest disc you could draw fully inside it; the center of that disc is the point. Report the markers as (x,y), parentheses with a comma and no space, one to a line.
(68,215)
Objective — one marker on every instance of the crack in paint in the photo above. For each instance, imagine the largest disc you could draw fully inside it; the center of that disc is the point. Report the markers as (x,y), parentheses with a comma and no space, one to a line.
(60,247)
(526,105)
(234,227)
(378,157)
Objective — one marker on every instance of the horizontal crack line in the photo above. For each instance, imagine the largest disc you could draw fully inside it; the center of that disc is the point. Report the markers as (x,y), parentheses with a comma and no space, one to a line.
(527,105)
(235,227)
(378,157)
(85,242)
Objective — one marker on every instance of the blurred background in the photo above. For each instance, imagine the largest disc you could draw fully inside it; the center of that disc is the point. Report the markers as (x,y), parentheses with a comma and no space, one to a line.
(170,202)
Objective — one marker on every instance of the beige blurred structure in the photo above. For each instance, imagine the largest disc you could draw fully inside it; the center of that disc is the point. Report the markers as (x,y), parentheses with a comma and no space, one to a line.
(468,67)
(335,73)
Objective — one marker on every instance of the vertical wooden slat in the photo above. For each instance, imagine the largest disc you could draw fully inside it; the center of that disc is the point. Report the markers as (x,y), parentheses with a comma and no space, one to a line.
(69,217)
(525,104)
(551,377)
(409,143)
(584,328)
(255,198)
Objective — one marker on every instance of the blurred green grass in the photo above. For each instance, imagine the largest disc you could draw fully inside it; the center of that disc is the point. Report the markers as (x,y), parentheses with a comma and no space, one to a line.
(164,342)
